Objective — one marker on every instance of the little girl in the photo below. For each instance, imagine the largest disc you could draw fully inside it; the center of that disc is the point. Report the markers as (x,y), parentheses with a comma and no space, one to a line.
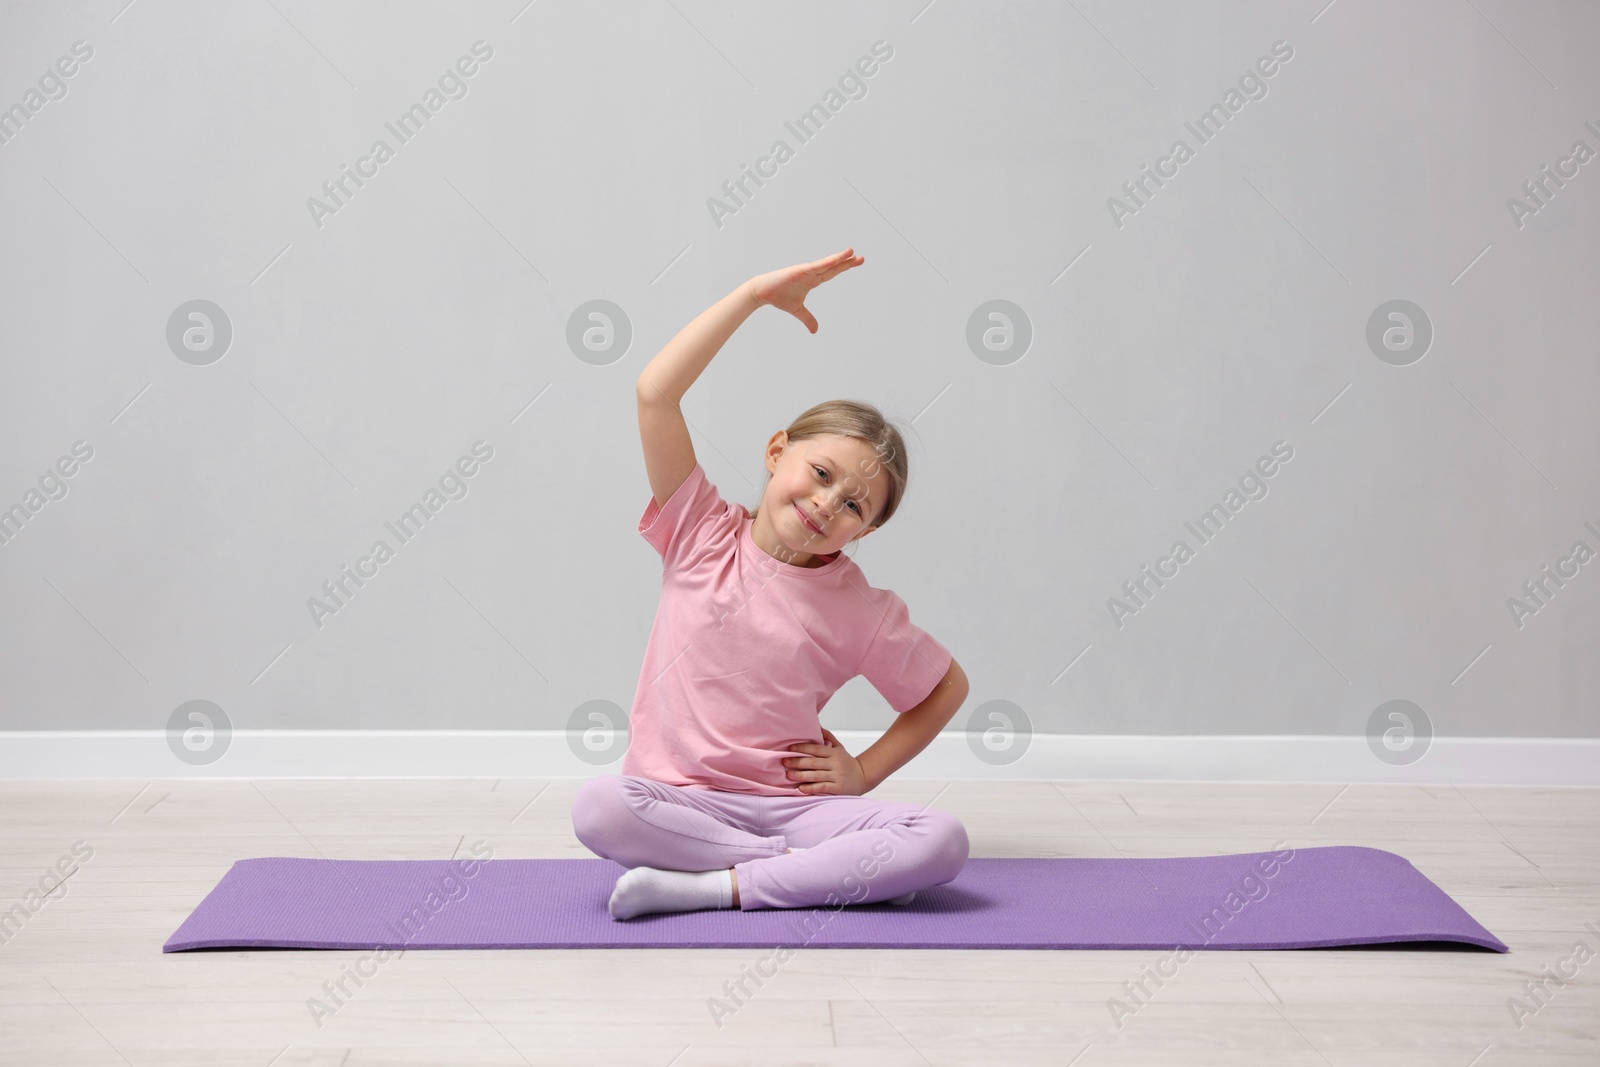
(728,796)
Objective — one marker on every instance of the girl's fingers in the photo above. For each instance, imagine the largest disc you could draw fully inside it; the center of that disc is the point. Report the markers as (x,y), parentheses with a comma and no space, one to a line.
(837,259)
(814,274)
(840,268)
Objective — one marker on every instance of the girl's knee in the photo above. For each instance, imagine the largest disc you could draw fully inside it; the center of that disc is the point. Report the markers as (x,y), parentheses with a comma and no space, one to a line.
(595,809)
(952,845)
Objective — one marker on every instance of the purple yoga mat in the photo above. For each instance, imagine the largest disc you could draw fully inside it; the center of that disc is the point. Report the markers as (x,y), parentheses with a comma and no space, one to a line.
(1326,896)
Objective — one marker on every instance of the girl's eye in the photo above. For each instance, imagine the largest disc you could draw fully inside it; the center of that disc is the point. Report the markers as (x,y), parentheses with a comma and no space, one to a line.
(823,473)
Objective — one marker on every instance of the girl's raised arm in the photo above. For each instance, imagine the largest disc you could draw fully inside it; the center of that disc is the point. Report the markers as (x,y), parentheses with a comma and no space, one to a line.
(668,451)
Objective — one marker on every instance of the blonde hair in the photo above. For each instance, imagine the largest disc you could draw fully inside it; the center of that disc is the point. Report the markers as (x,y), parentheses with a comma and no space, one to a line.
(853,418)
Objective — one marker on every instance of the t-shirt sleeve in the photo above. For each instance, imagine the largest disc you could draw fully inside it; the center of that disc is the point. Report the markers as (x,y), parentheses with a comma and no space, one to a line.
(675,528)
(903,661)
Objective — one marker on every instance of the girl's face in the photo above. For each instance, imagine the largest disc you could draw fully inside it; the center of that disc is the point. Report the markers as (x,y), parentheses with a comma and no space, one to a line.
(824,493)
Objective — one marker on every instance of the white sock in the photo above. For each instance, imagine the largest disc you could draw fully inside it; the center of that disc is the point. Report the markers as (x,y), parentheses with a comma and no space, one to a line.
(643,890)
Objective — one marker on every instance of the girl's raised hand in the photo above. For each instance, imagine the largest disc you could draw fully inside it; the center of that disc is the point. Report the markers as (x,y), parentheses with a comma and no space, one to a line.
(787,288)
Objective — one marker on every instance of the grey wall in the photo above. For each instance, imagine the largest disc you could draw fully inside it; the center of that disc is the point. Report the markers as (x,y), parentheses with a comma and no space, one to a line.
(1157,352)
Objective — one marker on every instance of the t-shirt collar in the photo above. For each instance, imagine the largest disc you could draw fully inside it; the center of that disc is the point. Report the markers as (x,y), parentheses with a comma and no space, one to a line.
(750,545)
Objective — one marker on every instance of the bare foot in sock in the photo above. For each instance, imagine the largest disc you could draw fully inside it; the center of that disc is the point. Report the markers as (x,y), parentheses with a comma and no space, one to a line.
(644,890)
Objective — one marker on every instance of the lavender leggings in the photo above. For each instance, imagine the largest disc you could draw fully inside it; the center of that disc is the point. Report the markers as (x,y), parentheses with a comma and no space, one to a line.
(856,850)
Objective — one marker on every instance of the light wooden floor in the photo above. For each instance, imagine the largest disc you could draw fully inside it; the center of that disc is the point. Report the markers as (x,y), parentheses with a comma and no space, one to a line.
(85,981)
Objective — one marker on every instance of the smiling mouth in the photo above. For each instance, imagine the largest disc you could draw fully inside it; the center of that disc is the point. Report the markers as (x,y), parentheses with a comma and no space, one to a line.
(809,525)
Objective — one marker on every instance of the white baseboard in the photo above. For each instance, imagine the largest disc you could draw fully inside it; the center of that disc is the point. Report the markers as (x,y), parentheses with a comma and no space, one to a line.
(144,754)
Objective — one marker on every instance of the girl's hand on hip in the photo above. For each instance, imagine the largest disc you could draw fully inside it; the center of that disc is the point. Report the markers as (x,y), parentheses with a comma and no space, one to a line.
(787,288)
(826,769)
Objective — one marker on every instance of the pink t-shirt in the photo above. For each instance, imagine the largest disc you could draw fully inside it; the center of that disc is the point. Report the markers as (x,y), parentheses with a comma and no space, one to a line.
(746,649)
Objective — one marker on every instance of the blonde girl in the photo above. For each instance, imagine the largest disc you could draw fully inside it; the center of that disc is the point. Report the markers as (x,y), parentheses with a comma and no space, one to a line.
(732,793)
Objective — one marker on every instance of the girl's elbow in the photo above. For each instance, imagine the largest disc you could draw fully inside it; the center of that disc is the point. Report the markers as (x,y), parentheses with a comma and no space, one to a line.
(955,679)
